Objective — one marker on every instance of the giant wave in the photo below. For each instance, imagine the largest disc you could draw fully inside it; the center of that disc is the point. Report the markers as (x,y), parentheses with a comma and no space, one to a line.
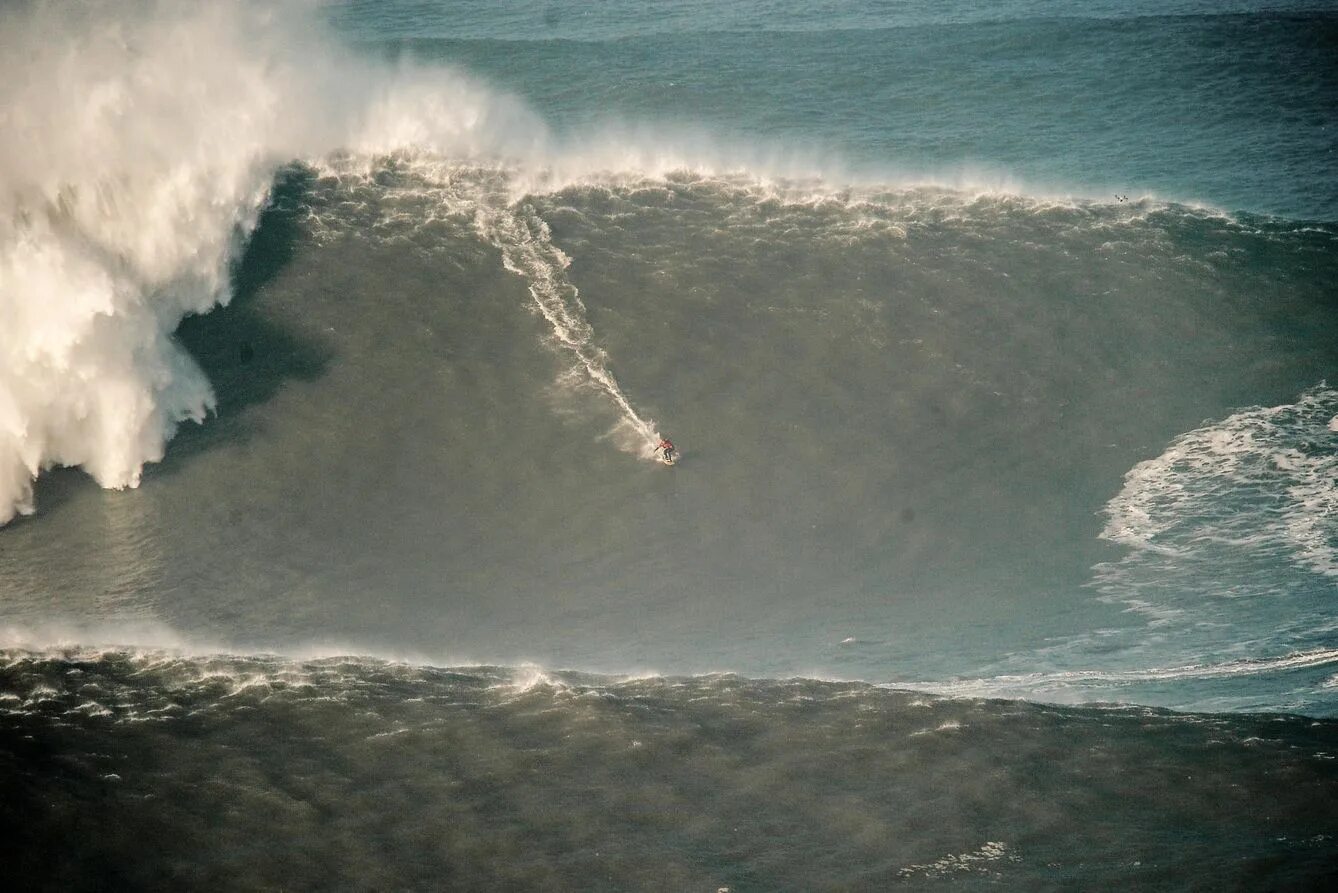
(141,143)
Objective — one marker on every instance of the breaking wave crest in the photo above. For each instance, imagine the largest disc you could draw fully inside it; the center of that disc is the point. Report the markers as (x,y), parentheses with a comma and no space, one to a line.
(123,205)
(139,145)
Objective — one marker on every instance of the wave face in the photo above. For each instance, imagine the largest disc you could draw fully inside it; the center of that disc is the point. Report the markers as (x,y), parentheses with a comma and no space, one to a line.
(903,398)
(895,403)
(388,775)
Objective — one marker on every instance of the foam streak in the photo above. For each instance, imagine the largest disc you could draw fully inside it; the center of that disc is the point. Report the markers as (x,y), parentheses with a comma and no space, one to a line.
(528,251)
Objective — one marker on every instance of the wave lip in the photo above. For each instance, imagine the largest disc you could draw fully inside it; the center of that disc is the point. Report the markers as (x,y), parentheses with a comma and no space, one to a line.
(122,198)
(138,144)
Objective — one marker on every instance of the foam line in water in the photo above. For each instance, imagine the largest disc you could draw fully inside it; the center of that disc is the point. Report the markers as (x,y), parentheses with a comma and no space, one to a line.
(1039,685)
(1195,505)
(528,251)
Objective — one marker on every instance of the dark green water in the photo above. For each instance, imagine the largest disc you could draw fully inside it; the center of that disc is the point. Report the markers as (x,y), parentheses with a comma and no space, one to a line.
(258,774)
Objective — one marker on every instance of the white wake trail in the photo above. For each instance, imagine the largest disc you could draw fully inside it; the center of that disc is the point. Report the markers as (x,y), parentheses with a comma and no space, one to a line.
(528,251)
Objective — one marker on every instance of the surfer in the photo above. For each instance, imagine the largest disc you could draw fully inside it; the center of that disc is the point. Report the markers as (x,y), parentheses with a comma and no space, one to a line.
(667,446)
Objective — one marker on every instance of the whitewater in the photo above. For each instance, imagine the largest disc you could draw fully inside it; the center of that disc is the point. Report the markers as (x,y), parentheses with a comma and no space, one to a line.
(1001,344)
(129,200)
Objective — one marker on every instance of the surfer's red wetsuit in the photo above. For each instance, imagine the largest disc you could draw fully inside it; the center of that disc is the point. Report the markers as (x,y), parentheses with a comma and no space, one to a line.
(667,445)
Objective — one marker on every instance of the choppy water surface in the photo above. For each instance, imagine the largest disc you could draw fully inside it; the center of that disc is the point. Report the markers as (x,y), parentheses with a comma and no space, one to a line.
(346,772)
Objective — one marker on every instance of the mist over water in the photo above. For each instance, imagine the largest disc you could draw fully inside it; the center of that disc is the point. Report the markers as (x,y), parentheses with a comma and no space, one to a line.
(1000,345)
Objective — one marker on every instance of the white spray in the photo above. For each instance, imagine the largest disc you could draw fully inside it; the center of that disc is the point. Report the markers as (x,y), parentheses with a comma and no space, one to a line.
(137,145)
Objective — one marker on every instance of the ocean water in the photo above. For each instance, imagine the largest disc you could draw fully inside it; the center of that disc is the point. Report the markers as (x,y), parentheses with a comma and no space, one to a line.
(1000,343)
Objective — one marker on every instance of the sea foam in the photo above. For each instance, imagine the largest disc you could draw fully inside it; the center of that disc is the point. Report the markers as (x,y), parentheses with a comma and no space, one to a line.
(138,144)
(137,151)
